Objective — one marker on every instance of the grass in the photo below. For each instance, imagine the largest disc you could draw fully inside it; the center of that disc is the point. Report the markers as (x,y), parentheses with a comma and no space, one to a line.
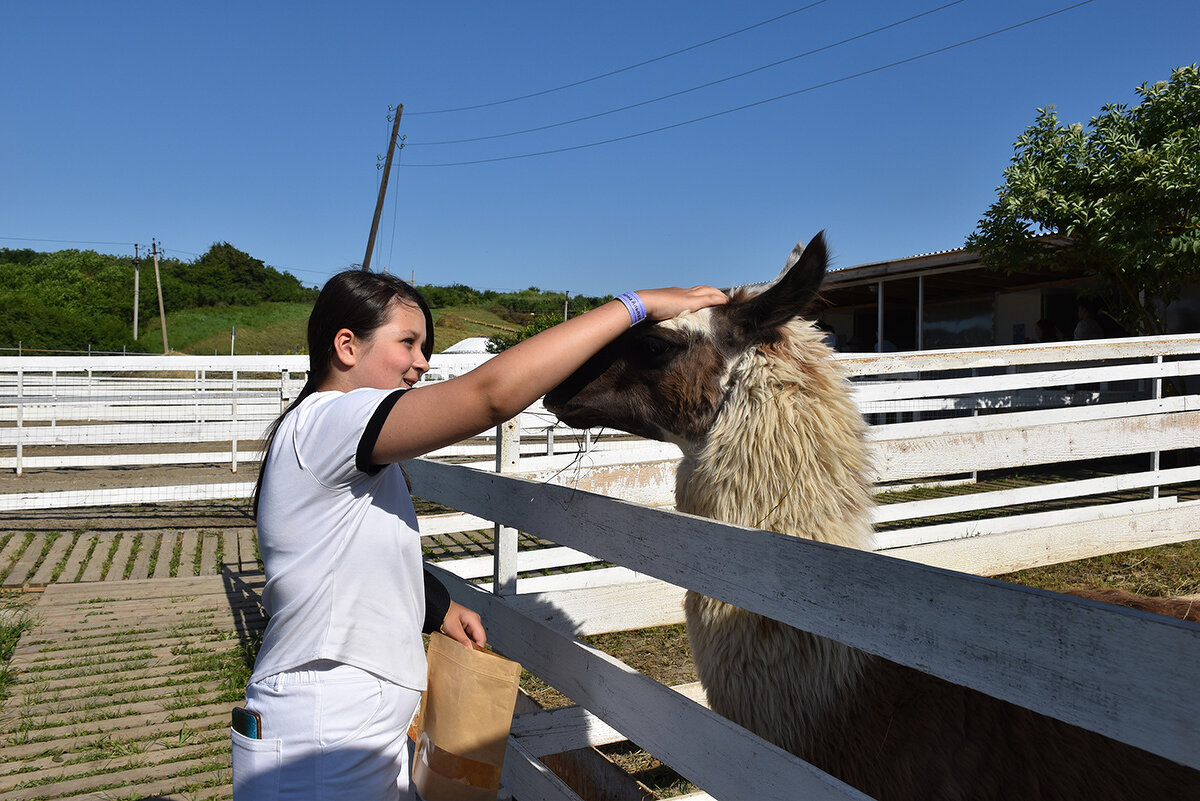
(17,553)
(62,565)
(1164,571)
(87,558)
(15,619)
(133,554)
(264,328)
(197,555)
(456,323)
(175,556)
(186,748)
(282,327)
(152,562)
(112,552)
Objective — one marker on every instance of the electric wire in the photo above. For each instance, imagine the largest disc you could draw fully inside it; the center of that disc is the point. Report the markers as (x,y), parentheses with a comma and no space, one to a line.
(726,79)
(62,241)
(395,206)
(757,103)
(622,69)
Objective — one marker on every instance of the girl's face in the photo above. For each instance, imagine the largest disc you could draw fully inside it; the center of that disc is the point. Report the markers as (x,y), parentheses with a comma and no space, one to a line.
(392,357)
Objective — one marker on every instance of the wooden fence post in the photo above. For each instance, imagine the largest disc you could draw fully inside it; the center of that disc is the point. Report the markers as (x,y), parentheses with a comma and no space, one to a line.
(233,399)
(508,455)
(1156,457)
(20,415)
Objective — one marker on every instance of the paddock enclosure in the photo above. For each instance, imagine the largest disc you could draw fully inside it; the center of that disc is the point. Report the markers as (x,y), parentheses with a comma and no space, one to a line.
(987,460)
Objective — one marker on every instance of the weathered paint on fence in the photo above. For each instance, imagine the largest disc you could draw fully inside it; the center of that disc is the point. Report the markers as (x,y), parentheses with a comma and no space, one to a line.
(939,621)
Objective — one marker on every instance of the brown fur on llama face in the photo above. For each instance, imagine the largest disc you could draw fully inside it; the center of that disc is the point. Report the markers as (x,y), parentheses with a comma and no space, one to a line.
(771,439)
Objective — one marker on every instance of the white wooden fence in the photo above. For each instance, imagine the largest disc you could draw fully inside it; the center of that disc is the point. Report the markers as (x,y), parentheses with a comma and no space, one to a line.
(939,416)
(946,415)
(92,413)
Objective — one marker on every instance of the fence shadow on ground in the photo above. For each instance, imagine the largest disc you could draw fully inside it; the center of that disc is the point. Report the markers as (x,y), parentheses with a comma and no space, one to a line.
(243,591)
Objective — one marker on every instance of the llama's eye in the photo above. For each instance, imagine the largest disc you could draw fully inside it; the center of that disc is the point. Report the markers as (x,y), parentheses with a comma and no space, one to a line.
(655,346)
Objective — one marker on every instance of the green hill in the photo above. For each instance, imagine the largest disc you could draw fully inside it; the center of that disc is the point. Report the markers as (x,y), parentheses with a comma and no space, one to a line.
(280,328)
(72,300)
(261,328)
(80,300)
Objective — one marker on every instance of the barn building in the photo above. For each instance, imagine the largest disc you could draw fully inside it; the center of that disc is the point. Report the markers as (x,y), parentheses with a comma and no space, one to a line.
(950,300)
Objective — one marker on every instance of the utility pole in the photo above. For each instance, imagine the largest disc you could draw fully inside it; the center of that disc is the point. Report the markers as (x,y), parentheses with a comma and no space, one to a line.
(136,274)
(162,315)
(387,168)
(566,304)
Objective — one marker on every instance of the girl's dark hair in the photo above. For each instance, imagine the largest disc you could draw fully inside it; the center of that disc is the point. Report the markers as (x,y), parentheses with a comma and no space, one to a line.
(360,301)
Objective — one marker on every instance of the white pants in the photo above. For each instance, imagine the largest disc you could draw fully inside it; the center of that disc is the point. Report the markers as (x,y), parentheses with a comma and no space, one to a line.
(329,732)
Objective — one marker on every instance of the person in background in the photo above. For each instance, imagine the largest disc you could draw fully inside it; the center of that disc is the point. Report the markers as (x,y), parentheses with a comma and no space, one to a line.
(1047,331)
(1089,326)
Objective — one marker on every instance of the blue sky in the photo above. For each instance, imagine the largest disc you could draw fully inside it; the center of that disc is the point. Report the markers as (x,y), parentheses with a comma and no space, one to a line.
(259,123)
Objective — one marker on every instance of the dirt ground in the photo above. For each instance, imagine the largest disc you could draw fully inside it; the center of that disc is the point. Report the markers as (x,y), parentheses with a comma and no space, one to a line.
(193,514)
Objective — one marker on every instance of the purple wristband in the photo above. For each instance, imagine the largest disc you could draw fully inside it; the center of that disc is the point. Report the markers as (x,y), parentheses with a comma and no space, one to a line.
(637,309)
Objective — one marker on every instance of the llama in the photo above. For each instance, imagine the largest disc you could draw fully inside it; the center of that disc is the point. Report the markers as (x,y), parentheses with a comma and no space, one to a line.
(728,384)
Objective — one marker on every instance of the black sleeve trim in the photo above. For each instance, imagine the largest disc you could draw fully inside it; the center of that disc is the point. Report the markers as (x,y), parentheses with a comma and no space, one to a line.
(437,604)
(366,445)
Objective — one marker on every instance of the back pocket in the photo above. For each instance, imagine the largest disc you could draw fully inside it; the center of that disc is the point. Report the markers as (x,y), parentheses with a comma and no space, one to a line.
(256,766)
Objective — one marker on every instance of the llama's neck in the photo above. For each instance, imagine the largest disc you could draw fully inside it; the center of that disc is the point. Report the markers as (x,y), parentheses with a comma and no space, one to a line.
(787,452)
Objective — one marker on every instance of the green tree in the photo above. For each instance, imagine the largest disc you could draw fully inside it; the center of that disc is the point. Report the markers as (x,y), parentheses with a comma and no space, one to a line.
(505,340)
(440,297)
(227,276)
(540,322)
(70,299)
(1121,199)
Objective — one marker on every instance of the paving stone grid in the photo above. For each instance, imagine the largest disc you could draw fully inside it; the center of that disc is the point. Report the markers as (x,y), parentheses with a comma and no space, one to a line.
(117,690)
(35,559)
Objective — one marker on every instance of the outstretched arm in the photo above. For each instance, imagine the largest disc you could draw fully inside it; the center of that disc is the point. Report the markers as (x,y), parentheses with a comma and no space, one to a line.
(430,417)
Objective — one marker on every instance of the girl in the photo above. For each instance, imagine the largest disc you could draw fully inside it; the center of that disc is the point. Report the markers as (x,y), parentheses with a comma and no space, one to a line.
(342,664)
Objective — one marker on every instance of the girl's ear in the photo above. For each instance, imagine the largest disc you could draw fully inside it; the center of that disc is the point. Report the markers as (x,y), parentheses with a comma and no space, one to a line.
(345,348)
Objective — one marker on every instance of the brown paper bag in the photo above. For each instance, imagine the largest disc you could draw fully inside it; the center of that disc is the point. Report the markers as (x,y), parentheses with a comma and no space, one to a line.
(461,730)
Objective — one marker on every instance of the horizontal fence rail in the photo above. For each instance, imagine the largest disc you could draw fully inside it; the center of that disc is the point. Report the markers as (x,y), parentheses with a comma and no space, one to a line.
(93,412)
(1076,660)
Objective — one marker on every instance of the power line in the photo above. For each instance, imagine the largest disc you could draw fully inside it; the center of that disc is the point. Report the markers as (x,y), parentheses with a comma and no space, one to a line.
(63,241)
(622,69)
(395,203)
(701,86)
(757,103)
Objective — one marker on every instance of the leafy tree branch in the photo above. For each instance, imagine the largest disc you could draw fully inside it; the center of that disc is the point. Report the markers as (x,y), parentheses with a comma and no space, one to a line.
(1119,199)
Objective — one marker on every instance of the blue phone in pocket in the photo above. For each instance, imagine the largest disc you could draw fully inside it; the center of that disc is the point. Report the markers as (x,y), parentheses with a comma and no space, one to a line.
(247,723)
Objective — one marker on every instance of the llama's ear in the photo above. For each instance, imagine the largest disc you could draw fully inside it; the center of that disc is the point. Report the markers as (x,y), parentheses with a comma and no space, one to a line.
(759,317)
(792,258)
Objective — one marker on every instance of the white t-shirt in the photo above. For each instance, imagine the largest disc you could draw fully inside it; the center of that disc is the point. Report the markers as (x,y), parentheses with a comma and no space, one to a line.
(339,544)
